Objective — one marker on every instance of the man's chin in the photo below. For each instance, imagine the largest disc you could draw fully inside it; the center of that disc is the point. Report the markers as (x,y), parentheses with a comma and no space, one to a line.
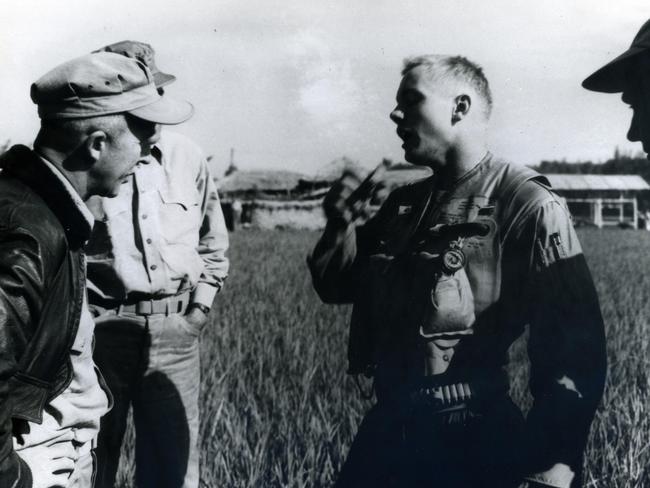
(411,157)
(645,146)
(415,159)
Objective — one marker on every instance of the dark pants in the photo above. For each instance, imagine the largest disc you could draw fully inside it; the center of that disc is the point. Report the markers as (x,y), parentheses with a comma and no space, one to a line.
(401,447)
(152,364)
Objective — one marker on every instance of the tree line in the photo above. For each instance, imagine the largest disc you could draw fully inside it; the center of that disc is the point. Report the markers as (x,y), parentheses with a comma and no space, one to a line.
(636,164)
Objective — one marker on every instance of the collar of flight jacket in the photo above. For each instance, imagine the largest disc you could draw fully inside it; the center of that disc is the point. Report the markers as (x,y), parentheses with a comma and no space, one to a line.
(28,167)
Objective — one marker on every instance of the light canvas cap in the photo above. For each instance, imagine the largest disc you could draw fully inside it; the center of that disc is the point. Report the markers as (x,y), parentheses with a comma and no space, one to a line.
(102,84)
(142,52)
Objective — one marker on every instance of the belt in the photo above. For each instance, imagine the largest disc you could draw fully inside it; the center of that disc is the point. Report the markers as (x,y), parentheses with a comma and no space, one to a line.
(442,393)
(443,396)
(166,305)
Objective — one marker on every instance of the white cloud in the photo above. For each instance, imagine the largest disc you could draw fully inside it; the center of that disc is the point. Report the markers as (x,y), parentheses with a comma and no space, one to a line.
(327,90)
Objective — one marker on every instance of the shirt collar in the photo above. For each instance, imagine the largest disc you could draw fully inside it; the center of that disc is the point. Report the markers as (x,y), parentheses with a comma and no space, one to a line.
(155,156)
(72,193)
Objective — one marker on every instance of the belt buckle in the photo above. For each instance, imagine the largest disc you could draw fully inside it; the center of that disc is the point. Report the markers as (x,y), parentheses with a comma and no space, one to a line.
(160,306)
(167,305)
(144,307)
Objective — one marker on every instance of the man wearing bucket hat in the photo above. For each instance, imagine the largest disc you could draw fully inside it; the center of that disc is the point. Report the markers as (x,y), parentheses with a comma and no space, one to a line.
(629,73)
(156,261)
(98,117)
(443,279)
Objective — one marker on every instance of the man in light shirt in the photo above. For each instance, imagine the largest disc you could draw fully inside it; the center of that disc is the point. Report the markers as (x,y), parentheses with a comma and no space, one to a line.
(99,115)
(156,261)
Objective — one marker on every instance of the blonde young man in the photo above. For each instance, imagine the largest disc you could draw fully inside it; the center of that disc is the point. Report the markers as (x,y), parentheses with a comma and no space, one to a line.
(443,279)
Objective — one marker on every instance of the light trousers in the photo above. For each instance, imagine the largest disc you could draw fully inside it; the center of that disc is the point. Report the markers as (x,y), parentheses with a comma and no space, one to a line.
(152,364)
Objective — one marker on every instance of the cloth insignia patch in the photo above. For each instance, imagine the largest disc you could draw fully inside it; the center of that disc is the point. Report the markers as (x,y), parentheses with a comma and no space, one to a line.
(552,253)
(485,211)
(558,247)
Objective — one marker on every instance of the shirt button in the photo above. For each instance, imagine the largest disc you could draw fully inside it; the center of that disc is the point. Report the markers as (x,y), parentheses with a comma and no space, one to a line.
(144,216)
(445,358)
(148,241)
(153,267)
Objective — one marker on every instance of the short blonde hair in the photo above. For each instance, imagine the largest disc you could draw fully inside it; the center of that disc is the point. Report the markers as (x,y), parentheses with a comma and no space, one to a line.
(440,67)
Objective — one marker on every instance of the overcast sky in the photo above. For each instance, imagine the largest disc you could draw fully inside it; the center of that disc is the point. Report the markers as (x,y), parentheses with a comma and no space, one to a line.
(296,83)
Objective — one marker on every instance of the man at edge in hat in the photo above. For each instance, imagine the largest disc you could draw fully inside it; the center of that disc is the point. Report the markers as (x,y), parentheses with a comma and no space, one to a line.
(629,73)
(98,117)
(156,260)
(443,279)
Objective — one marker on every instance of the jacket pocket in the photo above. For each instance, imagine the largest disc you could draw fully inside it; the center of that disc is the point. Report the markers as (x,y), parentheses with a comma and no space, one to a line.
(29,396)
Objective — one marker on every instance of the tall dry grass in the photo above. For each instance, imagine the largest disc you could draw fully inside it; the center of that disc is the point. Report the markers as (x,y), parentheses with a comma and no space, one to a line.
(279,411)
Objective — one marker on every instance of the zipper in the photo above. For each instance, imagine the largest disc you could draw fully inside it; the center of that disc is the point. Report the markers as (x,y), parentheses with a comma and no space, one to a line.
(434,214)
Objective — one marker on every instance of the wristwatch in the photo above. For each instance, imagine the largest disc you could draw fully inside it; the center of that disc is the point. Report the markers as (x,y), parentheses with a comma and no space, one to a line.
(203,308)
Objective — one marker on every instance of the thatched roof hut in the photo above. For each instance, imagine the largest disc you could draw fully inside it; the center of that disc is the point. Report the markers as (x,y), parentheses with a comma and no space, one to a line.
(267,184)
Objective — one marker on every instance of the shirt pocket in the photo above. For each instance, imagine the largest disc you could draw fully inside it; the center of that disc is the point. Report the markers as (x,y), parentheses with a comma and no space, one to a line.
(180,217)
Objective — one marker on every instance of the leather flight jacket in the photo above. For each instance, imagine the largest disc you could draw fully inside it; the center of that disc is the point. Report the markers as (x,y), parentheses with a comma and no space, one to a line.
(42,283)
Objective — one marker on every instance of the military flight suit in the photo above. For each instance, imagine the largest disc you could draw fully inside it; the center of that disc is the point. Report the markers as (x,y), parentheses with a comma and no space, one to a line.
(436,340)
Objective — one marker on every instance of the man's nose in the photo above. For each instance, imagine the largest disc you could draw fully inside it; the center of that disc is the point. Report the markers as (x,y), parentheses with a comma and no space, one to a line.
(397,115)
(154,134)
(145,149)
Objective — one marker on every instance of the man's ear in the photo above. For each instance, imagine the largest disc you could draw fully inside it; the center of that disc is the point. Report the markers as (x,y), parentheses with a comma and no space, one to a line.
(462,105)
(95,143)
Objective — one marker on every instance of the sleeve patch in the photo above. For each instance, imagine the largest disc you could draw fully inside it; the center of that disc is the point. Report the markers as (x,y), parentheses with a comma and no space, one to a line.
(552,252)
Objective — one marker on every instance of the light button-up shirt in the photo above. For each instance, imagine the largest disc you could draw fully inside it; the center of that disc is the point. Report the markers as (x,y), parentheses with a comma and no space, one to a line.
(164,233)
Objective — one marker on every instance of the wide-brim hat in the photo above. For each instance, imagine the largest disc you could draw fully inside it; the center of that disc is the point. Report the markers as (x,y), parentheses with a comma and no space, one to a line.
(611,78)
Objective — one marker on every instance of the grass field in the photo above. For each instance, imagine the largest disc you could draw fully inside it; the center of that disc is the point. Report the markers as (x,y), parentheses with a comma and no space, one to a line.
(278,409)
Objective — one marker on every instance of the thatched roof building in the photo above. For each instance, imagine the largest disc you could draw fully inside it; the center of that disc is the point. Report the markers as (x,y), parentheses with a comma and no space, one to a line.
(280,199)
(265,184)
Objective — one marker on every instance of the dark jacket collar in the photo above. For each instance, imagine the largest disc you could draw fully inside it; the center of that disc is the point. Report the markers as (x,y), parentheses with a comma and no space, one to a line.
(27,166)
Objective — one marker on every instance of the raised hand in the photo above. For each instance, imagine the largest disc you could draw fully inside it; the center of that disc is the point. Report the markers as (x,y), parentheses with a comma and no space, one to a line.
(348,201)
